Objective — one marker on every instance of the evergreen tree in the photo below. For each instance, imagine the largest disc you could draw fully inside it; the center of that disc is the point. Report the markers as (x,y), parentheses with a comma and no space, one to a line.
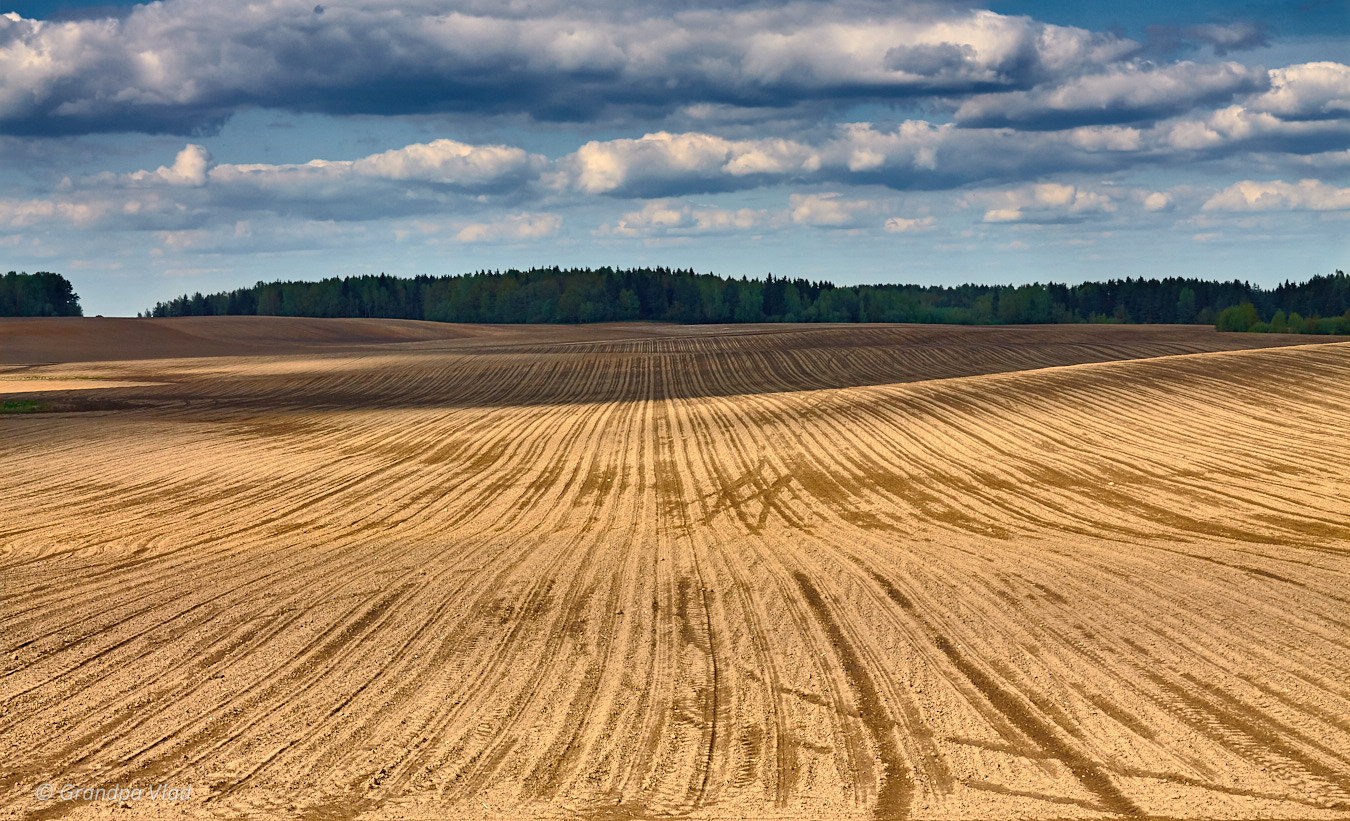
(41,294)
(661,294)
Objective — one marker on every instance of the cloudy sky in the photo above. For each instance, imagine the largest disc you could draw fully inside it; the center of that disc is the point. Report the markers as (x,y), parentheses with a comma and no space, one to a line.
(148,150)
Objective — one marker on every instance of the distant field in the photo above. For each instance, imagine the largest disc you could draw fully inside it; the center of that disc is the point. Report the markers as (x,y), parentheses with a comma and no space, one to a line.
(387,569)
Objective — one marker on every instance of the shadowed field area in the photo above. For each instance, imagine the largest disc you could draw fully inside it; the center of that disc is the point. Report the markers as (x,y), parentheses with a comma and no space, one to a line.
(406,570)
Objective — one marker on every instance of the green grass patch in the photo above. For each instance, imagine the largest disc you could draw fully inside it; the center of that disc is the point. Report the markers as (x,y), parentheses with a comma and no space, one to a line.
(22,406)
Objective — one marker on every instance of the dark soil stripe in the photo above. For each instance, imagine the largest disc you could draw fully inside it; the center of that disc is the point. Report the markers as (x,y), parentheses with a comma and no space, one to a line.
(894,795)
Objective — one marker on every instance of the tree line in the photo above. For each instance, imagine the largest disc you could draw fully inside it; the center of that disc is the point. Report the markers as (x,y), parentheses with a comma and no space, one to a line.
(40,294)
(578,295)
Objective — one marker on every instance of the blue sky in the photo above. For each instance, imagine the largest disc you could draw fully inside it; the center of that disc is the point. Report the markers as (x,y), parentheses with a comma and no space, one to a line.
(186,145)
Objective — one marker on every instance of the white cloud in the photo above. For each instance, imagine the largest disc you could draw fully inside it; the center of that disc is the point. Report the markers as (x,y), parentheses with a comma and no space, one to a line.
(1277,195)
(615,165)
(1157,201)
(729,220)
(184,64)
(1106,138)
(186,240)
(18,213)
(442,176)
(900,225)
(1120,94)
(1043,202)
(913,145)
(829,209)
(654,217)
(194,246)
(1324,159)
(1003,215)
(448,161)
(1308,90)
(1224,127)
(666,217)
(440,161)
(670,217)
(1032,124)
(513,228)
(189,168)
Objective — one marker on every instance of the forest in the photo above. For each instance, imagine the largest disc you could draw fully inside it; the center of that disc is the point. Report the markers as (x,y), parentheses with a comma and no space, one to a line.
(577,295)
(40,294)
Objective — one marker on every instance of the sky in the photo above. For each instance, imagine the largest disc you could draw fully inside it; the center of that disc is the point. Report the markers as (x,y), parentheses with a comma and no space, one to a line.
(150,150)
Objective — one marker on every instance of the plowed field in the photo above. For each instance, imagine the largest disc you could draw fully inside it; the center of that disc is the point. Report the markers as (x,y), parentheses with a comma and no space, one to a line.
(413,571)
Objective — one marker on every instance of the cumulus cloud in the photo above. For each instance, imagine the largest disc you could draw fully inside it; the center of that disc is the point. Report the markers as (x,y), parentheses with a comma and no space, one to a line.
(1307,91)
(511,229)
(900,225)
(448,161)
(1277,195)
(418,178)
(1123,94)
(664,161)
(912,155)
(918,155)
(131,208)
(666,217)
(442,176)
(445,176)
(1237,128)
(184,65)
(19,213)
(1030,100)
(1157,201)
(862,147)
(175,247)
(715,88)
(442,161)
(189,168)
(829,209)
(1042,203)
(1106,138)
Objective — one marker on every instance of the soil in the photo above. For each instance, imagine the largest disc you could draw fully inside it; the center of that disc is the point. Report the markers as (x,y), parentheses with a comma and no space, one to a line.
(382,569)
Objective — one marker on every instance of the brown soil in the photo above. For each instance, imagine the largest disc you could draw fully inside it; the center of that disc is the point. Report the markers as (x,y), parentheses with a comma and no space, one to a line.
(99,339)
(381,569)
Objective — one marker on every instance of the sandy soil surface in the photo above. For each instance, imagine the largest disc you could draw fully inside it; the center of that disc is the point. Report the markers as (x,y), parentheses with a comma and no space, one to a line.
(638,571)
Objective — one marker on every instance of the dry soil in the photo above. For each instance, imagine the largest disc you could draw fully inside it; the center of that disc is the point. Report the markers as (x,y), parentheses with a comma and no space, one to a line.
(378,569)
